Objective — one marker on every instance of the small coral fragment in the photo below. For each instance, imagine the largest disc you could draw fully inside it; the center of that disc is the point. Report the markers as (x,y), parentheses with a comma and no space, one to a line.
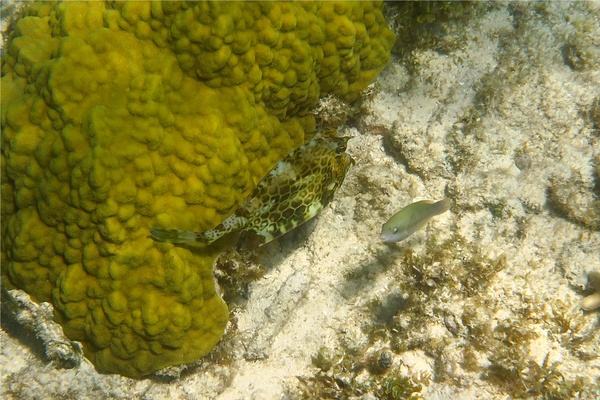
(592,301)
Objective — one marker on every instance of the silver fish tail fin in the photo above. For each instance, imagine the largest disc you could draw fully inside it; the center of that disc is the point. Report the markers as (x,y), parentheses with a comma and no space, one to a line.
(442,206)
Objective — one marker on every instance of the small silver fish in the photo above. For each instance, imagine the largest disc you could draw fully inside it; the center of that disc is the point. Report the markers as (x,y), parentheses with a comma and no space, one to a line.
(412,218)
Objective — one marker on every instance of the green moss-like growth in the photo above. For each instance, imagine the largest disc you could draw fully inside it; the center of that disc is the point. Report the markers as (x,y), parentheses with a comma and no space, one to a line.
(400,388)
(522,378)
(458,269)
(512,368)
(338,377)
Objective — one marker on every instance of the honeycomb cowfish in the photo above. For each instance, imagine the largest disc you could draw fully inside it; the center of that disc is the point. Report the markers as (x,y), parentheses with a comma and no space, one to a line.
(411,219)
(293,192)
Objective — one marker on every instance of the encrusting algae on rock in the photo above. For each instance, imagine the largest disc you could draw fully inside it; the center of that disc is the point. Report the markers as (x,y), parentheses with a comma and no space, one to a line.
(293,192)
(121,116)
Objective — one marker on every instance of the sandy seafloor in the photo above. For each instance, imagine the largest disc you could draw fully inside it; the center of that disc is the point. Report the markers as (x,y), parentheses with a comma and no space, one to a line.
(504,120)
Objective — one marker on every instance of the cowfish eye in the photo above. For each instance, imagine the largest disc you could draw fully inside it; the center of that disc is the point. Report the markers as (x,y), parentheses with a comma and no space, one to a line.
(340,150)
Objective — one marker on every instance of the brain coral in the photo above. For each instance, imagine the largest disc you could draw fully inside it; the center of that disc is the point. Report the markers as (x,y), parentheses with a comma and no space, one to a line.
(118,116)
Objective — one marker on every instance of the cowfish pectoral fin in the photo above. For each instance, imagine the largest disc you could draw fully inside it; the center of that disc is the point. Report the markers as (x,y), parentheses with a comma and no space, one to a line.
(176,236)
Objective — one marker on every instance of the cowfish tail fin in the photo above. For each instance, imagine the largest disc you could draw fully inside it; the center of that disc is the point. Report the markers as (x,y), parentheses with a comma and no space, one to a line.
(177,236)
(231,224)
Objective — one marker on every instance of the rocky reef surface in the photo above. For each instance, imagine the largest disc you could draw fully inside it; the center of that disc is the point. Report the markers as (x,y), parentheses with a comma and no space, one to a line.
(500,112)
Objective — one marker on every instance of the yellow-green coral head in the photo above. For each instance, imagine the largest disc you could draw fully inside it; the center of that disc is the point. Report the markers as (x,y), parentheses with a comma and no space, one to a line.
(118,116)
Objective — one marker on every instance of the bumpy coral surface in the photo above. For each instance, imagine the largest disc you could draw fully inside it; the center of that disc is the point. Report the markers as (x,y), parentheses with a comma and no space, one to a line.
(119,116)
